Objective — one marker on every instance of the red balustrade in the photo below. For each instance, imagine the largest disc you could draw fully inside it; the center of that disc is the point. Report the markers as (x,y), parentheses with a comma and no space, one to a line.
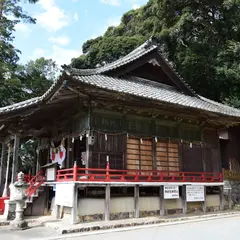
(27,178)
(114,175)
(35,183)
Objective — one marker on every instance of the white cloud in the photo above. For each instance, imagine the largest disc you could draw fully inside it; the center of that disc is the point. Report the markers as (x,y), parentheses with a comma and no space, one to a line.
(62,55)
(135,6)
(23,28)
(75,16)
(62,40)
(111,2)
(53,18)
(58,54)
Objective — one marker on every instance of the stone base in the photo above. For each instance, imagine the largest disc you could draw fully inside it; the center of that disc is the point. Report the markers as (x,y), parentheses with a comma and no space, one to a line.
(18,225)
(9,212)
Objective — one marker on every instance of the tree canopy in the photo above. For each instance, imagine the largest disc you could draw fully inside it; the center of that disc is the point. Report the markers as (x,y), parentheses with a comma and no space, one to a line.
(20,82)
(201,38)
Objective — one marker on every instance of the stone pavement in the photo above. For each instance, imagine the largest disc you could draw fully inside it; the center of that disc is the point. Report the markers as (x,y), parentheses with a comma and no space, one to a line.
(47,227)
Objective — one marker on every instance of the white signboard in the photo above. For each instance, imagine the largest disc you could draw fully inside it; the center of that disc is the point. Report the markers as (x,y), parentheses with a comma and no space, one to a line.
(195,193)
(64,194)
(51,174)
(171,192)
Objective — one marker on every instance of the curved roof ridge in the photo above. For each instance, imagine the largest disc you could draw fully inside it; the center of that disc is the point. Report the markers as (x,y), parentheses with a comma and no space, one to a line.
(140,51)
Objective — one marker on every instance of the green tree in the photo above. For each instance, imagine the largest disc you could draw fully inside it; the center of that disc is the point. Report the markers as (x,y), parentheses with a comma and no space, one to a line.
(201,38)
(30,80)
(11,13)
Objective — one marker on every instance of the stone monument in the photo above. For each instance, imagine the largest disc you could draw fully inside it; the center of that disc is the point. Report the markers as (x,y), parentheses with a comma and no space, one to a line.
(18,194)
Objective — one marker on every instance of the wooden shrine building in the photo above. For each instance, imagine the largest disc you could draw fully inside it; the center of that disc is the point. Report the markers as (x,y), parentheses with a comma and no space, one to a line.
(131,138)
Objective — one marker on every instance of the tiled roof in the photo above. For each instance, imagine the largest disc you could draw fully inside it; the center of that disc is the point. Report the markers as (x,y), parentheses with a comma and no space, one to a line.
(29,102)
(155,91)
(139,87)
(142,50)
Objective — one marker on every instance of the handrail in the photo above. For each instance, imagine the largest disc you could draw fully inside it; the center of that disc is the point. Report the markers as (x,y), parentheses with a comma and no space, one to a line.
(35,183)
(118,175)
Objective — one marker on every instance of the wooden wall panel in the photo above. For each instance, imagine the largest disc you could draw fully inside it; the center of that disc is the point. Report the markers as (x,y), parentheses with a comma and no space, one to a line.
(112,146)
(133,150)
(192,158)
(139,154)
(146,157)
(167,156)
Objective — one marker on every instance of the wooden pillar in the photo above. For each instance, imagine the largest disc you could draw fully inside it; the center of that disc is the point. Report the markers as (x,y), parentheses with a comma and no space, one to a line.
(107,202)
(87,149)
(3,156)
(230,198)
(5,191)
(184,200)
(74,211)
(37,163)
(204,204)
(136,202)
(15,158)
(88,132)
(221,198)
(161,201)
(69,159)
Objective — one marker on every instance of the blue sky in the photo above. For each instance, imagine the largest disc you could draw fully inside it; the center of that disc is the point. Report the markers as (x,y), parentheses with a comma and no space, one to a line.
(64,25)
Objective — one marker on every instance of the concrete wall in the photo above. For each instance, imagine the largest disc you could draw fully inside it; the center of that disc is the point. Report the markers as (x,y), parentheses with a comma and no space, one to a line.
(91,206)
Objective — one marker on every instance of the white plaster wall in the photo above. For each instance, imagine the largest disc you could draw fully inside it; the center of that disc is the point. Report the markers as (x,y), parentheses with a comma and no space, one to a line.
(173,203)
(122,204)
(213,200)
(90,206)
(149,203)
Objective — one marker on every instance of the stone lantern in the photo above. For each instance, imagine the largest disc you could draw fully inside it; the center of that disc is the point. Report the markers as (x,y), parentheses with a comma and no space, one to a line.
(18,194)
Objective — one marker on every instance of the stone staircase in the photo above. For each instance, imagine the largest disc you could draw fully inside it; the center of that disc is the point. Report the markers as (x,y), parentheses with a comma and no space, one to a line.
(30,200)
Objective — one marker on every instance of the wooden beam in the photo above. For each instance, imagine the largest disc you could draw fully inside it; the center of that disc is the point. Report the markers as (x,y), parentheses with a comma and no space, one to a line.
(204,204)
(5,191)
(184,200)
(3,160)
(136,202)
(221,198)
(69,159)
(161,201)
(15,158)
(107,202)
(88,133)
(74,211)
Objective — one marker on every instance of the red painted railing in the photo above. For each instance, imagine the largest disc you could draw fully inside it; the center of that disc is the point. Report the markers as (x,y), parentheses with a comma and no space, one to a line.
(27,177)
(35,183)
(113,175)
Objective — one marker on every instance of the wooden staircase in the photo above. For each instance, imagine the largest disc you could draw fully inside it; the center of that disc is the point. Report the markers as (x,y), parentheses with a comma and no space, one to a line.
(35,188)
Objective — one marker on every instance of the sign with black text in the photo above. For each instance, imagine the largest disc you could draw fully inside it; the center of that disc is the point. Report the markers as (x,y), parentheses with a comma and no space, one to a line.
(171,192)
(195,193)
